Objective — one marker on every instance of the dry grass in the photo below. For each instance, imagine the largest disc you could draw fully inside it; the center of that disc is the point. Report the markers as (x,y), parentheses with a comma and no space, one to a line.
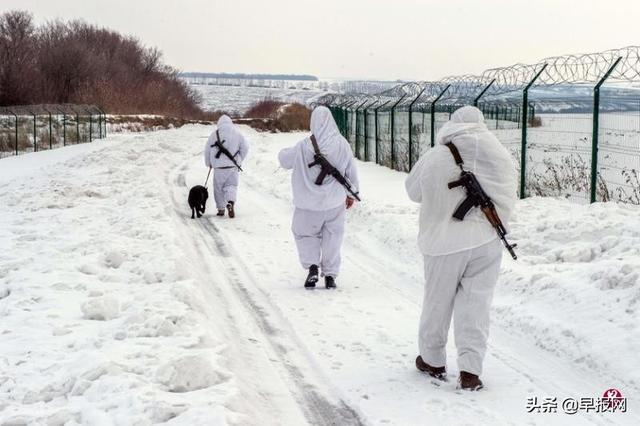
(535,121)
(294,117)
(266,108)
(276,116)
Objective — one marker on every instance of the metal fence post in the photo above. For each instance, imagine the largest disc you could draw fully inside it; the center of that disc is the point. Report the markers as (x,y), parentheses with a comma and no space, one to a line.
(16,117)
(99,125)
(393,131)
(411,126)
(35,136)
(35,132)
(596,129)
(104,120)
(475,101)
(64,127)
(357,144)
(433,115)
(77,127)
(345,122)
(366,143)
(90,127)
(50,130)
(377,140)
(343,119)
(347,119)
(525,116)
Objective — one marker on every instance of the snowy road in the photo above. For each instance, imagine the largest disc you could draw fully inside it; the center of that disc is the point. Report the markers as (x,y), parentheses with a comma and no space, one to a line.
(273,345)
(562,326)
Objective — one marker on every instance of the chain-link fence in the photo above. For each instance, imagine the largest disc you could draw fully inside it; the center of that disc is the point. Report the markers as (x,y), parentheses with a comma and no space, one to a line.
(41,127)
(572,123)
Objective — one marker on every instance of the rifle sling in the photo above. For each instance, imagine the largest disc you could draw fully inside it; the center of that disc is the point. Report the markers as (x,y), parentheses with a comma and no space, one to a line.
(469,202)
(318,154)
(314,142)
(455,153)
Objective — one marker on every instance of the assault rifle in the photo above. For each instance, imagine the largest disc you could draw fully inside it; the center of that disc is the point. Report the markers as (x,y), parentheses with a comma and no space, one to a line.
(225,151)
(476,197)
(326,168)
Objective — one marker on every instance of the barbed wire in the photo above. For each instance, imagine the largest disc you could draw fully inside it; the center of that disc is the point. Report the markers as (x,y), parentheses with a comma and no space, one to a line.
(586,68)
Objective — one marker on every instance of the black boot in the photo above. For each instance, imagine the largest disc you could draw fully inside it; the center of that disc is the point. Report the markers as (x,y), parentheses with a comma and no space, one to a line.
(439,373)
(329,282)
(469,381)
(232,212)
(312,278)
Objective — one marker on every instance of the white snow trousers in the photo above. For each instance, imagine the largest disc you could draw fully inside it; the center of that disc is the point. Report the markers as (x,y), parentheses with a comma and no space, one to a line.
(460,284)
(318,236)
(225,186)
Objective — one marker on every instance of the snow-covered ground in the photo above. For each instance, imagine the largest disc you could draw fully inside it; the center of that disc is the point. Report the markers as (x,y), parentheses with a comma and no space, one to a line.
(117,308)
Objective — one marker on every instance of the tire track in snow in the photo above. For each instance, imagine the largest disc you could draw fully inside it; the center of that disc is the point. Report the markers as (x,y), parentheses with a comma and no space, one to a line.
(318,409)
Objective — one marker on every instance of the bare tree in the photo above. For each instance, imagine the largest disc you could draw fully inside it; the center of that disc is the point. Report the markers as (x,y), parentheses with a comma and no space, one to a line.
(81,63)
(16,57)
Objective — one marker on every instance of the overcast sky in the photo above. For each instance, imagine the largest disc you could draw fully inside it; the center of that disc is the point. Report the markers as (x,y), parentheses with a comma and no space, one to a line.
(406,39)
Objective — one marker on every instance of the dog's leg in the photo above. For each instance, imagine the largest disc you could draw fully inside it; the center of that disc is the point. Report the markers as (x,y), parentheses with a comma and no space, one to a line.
(192,213)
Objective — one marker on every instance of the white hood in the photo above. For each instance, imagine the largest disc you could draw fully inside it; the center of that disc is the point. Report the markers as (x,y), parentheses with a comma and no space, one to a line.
(332,145)
(224,122)
(324,128)
(467,119)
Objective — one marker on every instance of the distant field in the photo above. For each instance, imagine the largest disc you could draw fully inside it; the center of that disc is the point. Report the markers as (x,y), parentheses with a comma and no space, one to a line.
(239,99)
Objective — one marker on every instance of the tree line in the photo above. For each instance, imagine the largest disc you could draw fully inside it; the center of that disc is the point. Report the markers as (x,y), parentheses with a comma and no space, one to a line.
(76,62)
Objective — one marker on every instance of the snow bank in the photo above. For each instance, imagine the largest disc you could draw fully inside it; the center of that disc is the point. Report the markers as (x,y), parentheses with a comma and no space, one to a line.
(575,291)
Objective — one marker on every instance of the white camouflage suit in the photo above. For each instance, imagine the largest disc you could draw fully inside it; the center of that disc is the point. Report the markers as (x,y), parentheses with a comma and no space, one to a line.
(318,220)
(461,258)
(225,173)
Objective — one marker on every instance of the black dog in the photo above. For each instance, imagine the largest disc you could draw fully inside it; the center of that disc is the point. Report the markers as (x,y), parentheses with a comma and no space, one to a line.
(198,200)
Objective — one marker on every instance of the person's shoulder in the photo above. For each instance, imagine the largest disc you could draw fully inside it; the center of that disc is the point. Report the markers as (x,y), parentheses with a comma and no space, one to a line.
(437,151)
(303,142)
(295,147)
